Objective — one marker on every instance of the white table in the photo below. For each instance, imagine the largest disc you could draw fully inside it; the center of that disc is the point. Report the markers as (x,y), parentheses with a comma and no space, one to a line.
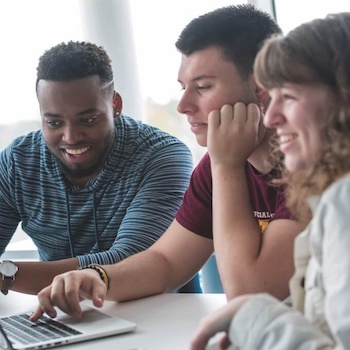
(164,322)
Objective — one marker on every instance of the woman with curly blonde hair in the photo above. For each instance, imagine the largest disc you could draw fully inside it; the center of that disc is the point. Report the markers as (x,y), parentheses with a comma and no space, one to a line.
(307,75)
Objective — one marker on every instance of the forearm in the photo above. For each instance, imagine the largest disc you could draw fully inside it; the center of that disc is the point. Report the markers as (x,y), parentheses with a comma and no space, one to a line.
(237,236)
(33,276)
(140,275)
(249,261)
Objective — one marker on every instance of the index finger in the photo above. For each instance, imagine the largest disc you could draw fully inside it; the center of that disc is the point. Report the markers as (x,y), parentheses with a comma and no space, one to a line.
(40,311)
(36,314)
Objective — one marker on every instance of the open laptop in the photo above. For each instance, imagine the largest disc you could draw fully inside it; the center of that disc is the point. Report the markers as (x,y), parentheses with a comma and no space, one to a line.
(17,332)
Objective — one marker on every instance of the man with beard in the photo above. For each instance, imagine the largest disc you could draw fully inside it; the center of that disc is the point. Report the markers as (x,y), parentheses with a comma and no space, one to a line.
(93,185)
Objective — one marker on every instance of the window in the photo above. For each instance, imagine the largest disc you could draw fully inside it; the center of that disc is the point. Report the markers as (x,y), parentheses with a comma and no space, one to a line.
(292,13)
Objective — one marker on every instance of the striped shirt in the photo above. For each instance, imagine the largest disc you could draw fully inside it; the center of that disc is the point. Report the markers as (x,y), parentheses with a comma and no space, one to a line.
(122,211)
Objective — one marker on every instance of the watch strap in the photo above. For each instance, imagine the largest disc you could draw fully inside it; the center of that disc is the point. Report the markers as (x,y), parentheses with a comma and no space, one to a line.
(6,284)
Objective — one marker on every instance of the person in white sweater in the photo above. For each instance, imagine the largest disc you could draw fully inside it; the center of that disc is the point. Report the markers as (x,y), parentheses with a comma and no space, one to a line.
(307,75)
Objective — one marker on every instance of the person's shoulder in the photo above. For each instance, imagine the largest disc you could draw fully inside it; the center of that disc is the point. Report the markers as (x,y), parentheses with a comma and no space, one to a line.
(338,190)
(130,124)
(149,135)
(203,167)
(204,162)
(22,150)
(336,196)
(148,129)
(26,142)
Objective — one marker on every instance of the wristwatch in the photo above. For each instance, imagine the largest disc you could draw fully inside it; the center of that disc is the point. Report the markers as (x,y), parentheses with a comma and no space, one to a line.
(8,270)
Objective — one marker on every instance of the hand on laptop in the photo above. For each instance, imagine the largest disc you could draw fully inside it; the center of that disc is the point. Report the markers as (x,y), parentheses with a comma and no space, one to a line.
(67,290)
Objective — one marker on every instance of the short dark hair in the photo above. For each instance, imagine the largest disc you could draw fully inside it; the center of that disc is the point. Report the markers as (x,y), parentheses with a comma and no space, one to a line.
(239,31)
(75,60)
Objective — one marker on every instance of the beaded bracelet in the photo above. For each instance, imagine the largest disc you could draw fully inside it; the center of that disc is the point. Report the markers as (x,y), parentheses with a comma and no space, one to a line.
(101,271)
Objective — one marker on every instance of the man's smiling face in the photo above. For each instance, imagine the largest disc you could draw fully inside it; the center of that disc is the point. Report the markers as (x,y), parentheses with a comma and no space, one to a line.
(77,124)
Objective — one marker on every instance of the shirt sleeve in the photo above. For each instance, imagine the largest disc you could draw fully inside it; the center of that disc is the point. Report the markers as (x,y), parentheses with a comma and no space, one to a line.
(334,219)
(265,323)
(9,217)
(195,213)
(166,178)
(281,212)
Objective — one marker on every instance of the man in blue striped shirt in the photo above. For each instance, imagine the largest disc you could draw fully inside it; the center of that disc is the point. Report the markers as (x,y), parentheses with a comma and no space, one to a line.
(93,185)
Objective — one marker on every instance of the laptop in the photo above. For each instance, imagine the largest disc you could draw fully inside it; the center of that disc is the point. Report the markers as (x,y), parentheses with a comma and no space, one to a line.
(18,333)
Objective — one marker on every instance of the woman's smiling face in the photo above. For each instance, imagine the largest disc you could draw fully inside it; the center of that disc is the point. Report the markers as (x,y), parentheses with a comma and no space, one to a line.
(297,112)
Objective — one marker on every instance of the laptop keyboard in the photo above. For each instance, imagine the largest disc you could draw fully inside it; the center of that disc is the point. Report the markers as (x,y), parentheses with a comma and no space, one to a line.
(21,329)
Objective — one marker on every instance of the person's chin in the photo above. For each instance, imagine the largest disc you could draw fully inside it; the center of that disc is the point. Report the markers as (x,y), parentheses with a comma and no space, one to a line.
(76,170)
(293,165)
(201,140)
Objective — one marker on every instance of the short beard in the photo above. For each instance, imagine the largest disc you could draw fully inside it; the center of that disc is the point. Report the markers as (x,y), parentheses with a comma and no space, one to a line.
(76,174)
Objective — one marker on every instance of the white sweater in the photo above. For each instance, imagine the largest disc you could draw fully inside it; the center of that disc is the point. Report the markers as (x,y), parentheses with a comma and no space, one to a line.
(320,318)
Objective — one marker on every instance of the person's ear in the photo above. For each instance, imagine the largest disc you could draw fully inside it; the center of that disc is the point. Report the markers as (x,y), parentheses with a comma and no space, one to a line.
(117,104)
(263,98)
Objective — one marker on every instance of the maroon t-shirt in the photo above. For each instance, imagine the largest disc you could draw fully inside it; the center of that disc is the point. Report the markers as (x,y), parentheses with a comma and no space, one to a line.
(195,213)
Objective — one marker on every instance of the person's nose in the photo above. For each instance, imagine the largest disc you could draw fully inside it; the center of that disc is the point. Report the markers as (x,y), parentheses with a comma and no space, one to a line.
(273,115)
(186,104)
(72,134)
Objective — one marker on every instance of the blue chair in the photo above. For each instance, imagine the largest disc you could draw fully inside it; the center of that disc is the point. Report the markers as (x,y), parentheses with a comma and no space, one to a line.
(192,286)
(209,277)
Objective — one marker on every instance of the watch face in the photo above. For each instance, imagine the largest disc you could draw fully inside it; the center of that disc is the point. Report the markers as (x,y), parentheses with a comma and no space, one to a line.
(8,268)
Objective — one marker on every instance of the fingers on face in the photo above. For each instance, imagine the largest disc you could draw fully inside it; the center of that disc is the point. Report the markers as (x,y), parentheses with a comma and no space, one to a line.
(239,113)
(221,118)
(214,119)
(254,113)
